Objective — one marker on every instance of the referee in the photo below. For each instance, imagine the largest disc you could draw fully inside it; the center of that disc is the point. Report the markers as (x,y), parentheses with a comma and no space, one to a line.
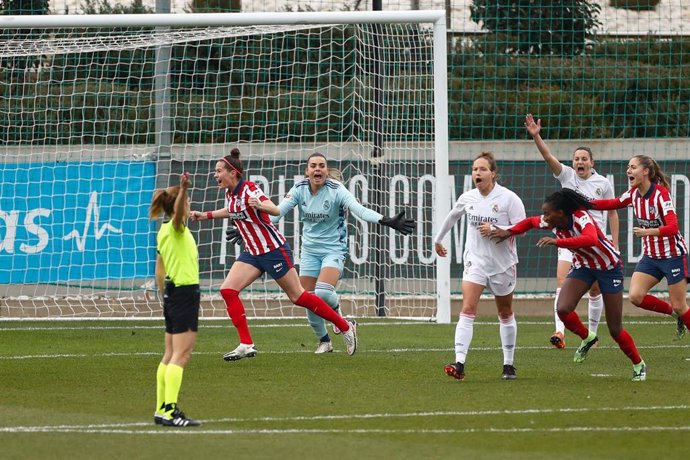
(177,278)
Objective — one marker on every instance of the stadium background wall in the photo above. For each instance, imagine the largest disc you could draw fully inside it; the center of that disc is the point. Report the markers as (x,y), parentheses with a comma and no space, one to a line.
(519,170)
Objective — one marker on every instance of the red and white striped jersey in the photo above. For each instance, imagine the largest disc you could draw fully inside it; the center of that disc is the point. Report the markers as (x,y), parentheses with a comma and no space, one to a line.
(653,210)
(258,233)
(584,238)
(602,255)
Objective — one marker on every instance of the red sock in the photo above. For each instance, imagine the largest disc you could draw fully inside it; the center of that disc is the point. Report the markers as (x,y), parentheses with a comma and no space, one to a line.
(686,318)
(573,324)
(627,344)
(321,308)
(652,303)
(237,314)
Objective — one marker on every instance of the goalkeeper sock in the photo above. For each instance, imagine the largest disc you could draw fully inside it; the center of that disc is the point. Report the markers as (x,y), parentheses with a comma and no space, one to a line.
(160,387)
(173,382)
(321,308)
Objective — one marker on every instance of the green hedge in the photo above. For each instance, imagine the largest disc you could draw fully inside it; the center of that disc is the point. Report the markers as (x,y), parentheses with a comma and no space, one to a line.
(618,89)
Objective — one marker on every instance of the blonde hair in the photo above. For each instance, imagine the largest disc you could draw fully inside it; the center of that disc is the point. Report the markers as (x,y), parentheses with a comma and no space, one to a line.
(163,201)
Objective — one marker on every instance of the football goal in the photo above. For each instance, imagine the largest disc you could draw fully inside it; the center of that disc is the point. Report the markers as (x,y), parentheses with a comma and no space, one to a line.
(98,111)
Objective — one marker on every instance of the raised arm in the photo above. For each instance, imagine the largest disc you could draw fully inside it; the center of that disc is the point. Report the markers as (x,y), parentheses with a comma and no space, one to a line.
(534,129)
(181,204)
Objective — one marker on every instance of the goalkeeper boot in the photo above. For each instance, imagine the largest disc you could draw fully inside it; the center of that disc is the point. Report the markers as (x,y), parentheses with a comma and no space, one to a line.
(178,419)
(350,338)
(324,347)
(508,372)
(639,372)
(557,340)
(585,345)
(455,370)
(336,330)
(242,351)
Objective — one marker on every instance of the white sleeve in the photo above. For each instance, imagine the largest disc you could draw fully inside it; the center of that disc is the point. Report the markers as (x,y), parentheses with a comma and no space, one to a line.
(608,191)
(453,216)
(516,212)
(566,176)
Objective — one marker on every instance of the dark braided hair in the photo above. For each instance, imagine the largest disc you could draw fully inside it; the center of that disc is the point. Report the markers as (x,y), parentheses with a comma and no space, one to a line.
(568,201)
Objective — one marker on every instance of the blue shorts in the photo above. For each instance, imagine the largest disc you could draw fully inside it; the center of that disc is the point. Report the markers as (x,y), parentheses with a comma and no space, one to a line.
(275,264)
(674,269)
(311,264)
(610,281)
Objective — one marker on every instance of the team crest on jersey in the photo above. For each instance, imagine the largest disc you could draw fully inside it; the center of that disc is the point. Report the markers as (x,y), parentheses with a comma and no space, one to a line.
(326,205)
(652,210)
(598,191)
(494,208)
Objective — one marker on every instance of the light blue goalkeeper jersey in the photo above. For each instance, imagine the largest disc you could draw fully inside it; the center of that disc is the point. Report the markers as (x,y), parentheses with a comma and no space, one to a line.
(324,215)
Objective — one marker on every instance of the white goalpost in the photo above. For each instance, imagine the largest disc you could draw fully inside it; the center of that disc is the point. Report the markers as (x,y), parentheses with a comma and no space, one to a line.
(96,111)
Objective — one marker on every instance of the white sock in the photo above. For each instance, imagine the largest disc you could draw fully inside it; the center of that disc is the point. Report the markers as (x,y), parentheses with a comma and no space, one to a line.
(596,305)
(463,337)
(508,331)
(560,327)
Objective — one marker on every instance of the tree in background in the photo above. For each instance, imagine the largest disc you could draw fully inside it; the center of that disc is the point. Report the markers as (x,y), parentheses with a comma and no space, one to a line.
(545,27)
(104,7)
(215,6)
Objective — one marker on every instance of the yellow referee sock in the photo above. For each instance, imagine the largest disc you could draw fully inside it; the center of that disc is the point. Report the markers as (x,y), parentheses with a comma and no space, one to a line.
(173,382)
(160,387)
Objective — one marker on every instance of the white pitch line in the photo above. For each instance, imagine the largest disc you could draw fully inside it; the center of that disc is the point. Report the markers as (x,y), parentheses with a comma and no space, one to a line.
(127,428)
(306,351)
(197,431)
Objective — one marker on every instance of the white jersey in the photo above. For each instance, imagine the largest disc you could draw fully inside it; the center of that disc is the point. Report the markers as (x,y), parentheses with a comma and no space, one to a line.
(502,208)
(596,187)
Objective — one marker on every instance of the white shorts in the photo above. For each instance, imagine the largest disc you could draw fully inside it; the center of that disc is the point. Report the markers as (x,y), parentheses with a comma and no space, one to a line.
(565,255)
(499,284)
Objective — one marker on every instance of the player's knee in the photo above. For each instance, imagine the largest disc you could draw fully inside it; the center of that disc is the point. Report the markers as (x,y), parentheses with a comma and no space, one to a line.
(327,293)
(636,297)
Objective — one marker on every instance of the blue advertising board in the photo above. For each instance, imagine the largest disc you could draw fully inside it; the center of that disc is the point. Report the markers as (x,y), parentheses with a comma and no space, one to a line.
(65,221)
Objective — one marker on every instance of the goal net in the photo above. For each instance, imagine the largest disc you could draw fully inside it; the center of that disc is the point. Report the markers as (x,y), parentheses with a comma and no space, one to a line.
(98,111)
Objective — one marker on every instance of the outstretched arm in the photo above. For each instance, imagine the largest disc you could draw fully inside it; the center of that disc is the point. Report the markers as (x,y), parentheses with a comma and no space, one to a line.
(399,223)
(501,234)
(534,129)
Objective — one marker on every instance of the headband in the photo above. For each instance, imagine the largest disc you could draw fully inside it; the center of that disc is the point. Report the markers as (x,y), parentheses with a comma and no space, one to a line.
(230,164)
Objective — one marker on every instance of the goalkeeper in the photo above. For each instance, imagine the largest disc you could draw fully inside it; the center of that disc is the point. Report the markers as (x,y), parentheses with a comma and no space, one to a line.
(179,259)
(323,204)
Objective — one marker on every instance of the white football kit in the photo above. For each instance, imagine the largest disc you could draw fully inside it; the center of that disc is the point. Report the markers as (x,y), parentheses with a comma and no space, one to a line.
(482,256)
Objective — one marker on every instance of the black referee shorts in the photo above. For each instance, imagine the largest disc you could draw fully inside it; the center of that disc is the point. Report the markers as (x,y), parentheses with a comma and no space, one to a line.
(181,308)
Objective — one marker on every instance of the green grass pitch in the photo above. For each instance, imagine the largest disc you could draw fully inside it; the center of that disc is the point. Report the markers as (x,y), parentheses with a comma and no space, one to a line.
(86,389)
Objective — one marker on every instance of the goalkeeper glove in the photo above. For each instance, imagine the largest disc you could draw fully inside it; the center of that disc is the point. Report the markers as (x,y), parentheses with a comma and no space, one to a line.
(399,223)
(232,234)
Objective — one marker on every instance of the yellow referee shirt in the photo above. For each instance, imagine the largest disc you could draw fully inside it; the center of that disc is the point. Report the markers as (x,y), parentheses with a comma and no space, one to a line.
(179,253)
